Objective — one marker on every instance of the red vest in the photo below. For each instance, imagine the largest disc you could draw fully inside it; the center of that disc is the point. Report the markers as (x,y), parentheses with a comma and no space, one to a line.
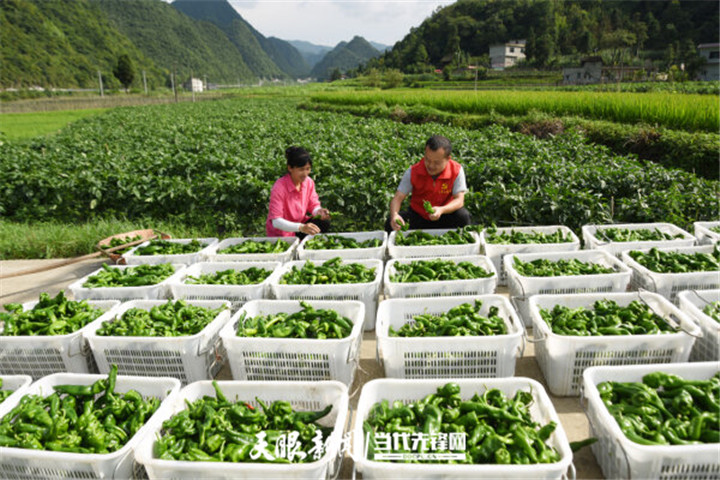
(438,192)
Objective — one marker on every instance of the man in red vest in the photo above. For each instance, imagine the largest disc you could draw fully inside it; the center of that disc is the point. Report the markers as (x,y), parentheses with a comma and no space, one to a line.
(438,180)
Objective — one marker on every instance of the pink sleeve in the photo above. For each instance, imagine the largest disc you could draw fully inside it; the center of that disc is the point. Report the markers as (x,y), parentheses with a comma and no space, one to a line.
(314,201)
(277,202)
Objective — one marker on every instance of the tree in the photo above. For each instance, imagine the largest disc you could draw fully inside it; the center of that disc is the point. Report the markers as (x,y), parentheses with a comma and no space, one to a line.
(124,71)
(373,78)
(335,74)
(393,78)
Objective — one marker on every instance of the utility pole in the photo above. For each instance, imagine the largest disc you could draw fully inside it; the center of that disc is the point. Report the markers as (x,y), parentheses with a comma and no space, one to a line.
(173,84)
(144,82)
(102,93)
(192,85)
(205,85)
(476,78)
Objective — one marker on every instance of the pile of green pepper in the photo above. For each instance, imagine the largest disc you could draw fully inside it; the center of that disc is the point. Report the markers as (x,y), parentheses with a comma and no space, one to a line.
(665,409)
(307,323)
(606,317)
(77,418)
(715,229)
(712,310)
(418,238)
(4,393)
(337,242)
(498,430)
(516,237)
(252,246)
(137,276)
(676,262)
(249,276)
(172,319)
(165,247)
(333,271)
(613,234)
(436,270)
(116,242)
(218,430)
(50,316)
(542,267)
(462,320)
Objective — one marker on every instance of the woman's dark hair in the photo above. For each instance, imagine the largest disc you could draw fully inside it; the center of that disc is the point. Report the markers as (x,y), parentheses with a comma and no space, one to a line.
(437,142)
(297,157)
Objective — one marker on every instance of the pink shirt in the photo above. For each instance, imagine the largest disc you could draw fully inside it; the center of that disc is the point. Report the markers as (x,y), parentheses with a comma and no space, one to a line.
(289,203)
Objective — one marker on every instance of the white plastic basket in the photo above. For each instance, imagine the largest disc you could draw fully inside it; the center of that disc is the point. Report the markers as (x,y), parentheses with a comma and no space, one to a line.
(447,357)
(670,284)
(616,248)
(38,356)
(704,235)
(188,358)
(131,258)
(693,302)
(444,288)
(18,384)
(563,358)
(301,395)
(34,464)
(401,251)
(621,458)
(364,292)
(347,253)
(212,253)
(407,391)
(253,358)
(147,292)
(496,251)
(522,287)
(234,293)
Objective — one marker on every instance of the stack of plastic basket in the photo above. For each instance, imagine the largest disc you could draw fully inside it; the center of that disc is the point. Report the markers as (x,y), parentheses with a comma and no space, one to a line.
(413,251)
(497,251)
(704,233)
(41,355)
(214,253)
(187,358)
(132,258)
(447,357)
(523,287)
(301,395)
(589,233)
(253,358)
(410,391)
(146,292)
(621,458)
(563,358)
(305,253)
(693,302)
(28,463)
(670,284)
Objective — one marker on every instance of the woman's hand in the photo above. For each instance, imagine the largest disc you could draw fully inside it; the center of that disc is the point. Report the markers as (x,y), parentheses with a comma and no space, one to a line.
(324,214)
(397,223)
(309,229)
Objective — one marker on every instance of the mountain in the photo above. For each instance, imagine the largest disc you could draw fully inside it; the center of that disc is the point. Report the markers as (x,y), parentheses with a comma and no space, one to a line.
(380,46)
(311,52)
(345,56)
(177,42)
(265,57)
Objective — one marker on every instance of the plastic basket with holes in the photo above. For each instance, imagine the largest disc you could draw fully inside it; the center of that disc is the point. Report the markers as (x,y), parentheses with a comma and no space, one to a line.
(693,302)
(496,251)
(259,358)
(147,292)
(33,464)
(447,357)
(563,358)
(235,293)
(621,458)
(132,258)
(214,253)
(408,391)
(441,288)
(364,292)
(17,384)
(704,233)
(592,242)
(670,284)
(41,355)
(347,253)
(522,287)
(187,358)
(303,396)
(410,251)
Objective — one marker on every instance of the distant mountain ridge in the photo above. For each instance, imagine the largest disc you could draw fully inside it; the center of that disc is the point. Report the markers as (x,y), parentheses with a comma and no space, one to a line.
(345,56)
(311,52)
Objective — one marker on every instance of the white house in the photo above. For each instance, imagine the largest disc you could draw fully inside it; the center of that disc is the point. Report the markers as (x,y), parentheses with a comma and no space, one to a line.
(507,54)
(194,85)
(711,53)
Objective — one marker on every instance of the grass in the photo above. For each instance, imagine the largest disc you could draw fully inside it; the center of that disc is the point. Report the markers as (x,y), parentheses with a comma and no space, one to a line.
(19,126)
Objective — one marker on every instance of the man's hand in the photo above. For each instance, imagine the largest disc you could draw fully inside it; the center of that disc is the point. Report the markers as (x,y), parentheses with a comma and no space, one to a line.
(437,214)
(397,222)
(309,229)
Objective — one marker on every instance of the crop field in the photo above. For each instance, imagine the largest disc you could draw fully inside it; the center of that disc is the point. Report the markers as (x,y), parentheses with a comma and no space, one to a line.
(692,112)
(212,164)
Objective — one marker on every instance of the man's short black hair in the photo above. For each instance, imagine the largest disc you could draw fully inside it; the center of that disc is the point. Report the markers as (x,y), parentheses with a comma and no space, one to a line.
(437,142)
(297,157)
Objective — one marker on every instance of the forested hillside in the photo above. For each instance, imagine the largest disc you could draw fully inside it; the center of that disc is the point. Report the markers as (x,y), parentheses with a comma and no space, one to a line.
(345,56)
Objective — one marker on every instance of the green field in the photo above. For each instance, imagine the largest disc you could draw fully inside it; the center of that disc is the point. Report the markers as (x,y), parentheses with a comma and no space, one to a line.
(17,126)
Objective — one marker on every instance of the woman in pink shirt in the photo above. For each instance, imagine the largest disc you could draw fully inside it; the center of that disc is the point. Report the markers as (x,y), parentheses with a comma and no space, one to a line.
(293,200)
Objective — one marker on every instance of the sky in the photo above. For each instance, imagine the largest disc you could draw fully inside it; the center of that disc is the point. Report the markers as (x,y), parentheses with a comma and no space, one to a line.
(328,22)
